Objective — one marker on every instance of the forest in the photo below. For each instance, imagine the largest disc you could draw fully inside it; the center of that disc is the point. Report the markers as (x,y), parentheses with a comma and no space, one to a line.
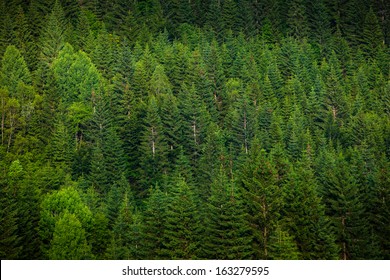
(195,129)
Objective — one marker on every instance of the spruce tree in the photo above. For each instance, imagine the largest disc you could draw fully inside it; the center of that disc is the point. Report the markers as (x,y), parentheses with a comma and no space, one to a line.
(372,37)
(264,198)
(14,70)
(153,148)
(227,231)
(182,234)
(306,214)
(53,35)
(282,246)
(154,223)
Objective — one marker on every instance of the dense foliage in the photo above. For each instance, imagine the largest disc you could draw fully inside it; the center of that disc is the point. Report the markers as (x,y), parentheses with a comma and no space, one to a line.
(197,129)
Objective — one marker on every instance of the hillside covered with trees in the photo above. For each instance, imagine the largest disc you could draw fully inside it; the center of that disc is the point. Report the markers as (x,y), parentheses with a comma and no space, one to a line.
(195,129)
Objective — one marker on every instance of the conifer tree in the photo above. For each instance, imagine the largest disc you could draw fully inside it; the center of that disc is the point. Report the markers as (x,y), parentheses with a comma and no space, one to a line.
(194,122)
(182,225)
(14,70)
(153,147)
(227,231)
(297,19)
(319,22)
(229,15)
(154,223)
(264,198)
(53,35)
(283,246)
(123,234)
(345,207)
(372,37)
(10,247)
(23,37)
(169,114)
(306,214)
(27,191)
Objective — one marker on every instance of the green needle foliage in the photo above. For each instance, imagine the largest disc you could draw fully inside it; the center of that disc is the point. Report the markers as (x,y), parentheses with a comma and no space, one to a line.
(194,129)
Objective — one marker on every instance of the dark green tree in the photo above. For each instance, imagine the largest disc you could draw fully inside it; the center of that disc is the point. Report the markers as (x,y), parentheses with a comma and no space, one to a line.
(264,198)
(153,148)
(53,35)
(306,214)
(182,225)
(154,223)
(227,231)
(372,37)
(283,246)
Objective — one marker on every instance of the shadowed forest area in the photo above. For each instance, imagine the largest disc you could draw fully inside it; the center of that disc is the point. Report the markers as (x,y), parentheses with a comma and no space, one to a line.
(195,129)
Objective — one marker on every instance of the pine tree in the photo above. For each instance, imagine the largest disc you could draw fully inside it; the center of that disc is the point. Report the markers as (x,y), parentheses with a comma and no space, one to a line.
(372,37)
(23,36)
(169,114)
(214,17)
(182,225)
(264,198)
(306,214)
(14,70)
(123,233)
(10,247)
(194,122)
(229,15)
(297,19)
(282,246)
(53,35)
(100,235)
(115,196)
(154,223)
(214,154)
(245,21)
(345,208)
(60,149)
(159,83)
(319,22)
(227,231)
(153,148)
(7,34)
(28,197)
(242,123)
(140,80)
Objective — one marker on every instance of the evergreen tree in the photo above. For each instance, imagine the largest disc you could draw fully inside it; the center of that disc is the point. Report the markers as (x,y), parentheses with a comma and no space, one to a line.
(297,19)
(23,36)
(194,121)
(14,70)
(283,246)
(182,225)
(345,208)
(123,235)
(227,231)
(154,223)
(319,22)
(263,196)
(306,213)
(53,35)
(10,247)
(153,147)
(372,37)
